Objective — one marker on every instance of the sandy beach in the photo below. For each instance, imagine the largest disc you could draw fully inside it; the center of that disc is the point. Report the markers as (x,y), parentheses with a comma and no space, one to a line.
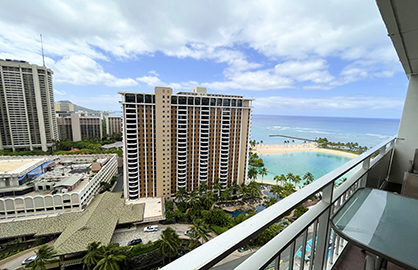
(311,147)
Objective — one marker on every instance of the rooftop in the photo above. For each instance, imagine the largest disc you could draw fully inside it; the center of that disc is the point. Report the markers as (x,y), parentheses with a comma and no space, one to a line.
(19,166)
(96,223)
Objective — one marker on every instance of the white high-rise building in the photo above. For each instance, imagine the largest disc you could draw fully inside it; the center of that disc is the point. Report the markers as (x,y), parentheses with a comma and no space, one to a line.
(27,112)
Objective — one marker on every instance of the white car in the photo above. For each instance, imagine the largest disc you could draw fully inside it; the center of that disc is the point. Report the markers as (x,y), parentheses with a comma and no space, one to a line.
(151,228)
(29,260)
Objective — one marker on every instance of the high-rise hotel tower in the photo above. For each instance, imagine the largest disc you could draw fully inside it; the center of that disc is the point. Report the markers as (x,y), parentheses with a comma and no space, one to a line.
(183,140)
(27,113)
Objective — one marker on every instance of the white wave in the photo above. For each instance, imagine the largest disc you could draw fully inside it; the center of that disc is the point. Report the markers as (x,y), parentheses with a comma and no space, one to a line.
(379,135)
(279,128)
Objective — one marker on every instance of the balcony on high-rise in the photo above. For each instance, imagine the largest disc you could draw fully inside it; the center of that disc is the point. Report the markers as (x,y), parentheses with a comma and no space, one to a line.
(310,242)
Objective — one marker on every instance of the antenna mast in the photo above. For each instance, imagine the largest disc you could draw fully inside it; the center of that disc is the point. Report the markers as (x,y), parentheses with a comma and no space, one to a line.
(42,47)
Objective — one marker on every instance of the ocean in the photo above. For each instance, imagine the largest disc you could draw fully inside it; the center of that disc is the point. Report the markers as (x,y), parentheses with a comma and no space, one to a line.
(366,132)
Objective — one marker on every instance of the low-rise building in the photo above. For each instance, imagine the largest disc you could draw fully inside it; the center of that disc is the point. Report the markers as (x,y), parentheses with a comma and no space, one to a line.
(28,189)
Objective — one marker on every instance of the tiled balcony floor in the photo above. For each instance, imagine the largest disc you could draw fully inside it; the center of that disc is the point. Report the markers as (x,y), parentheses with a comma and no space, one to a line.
(352,258)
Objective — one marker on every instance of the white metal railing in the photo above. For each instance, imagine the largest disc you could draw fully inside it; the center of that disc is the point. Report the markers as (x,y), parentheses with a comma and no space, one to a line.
(310,235)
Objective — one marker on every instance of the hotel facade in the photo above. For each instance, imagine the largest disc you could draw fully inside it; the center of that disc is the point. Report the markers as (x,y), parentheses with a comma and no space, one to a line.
(182,140)
(27,112)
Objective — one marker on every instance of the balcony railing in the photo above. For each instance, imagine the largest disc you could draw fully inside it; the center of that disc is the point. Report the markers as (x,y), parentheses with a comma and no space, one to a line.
(290,246)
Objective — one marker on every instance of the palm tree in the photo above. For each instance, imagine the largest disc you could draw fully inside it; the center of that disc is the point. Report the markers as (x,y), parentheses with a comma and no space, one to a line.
(309,178)
(200,230)
(207,200)
(217,186)
(111,255)
(44,256)
(226,194)
(170,243)
(193,199)
(277,179)
(284,191)
(290,177)
(297,179)
(203,188)
(181,195)
(252,173)
(263,172)
(252,190)
(93,255)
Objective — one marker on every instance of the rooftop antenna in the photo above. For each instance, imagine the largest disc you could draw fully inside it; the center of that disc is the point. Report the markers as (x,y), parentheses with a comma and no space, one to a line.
(42,47)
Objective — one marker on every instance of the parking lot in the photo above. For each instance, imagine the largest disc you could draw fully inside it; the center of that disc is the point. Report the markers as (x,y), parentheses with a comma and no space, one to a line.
(123,236)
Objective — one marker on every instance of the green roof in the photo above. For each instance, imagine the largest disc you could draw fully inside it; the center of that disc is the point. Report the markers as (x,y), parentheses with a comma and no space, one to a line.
(96,223)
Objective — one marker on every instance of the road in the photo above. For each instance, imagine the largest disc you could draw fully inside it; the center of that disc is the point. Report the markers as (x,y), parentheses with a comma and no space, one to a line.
(17,262)
(119,183)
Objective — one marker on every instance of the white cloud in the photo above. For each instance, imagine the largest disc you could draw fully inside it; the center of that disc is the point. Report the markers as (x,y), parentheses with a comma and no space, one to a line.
(331,103)
(61,93)
(289,34)
(82,70)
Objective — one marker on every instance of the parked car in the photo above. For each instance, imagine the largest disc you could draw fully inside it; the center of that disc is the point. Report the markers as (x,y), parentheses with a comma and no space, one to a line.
(29,260)
(187,232)
(135,242)
(151,228)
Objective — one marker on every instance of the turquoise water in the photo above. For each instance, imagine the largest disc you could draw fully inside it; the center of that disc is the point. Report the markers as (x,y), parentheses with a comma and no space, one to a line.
(300,163)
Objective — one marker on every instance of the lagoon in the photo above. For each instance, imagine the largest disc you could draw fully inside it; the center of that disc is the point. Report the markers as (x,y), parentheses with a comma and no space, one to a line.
(300,163)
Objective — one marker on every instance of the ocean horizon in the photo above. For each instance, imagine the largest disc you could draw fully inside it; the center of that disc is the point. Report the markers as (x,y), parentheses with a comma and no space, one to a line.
(365,131)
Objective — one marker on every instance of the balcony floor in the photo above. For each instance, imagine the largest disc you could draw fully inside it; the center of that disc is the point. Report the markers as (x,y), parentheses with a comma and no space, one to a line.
(353,258)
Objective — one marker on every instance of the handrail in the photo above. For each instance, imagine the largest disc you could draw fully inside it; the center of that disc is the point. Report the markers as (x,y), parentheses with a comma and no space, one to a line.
(220,247)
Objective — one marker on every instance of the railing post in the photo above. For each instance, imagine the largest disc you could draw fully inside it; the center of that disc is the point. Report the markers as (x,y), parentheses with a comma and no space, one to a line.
(366,167)
(321,250)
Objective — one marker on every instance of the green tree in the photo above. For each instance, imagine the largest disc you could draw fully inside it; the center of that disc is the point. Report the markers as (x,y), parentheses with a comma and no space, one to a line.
(300,210)
(203,188)
(297,179)
(193,199)
(170,243)
(44,256)
(254,190)
(93,255)
(200,230)
(290,177)
(263,172)
(217,186)
(105,186)
(207,200)
(268,234)
(216,217)
(270,202)
(111,255)
(226,194)
(308,178)
(284,191)
(181,195)
(252,173)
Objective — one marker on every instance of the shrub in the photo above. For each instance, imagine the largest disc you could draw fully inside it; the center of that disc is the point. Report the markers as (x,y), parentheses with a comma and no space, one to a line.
(218,229)
(145,248)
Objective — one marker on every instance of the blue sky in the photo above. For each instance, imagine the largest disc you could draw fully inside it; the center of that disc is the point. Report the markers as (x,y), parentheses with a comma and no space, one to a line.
(307,57)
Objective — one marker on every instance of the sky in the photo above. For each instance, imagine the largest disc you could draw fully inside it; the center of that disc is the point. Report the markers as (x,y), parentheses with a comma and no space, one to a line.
(305,57)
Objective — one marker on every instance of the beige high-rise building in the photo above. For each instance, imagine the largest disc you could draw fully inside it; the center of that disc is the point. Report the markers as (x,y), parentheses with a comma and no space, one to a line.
(78,126)
(182,140)
(113,125)
(64,106)
(27,113)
